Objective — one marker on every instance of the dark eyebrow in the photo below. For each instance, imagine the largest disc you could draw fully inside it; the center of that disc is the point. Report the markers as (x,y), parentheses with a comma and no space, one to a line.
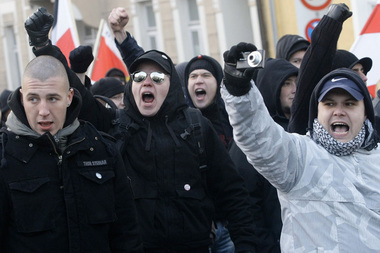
(49,95)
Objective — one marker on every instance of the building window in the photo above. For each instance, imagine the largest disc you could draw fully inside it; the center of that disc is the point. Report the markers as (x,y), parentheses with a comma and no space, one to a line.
(193,10)
(148,25)
(194,27)
(151,27)
(12,62)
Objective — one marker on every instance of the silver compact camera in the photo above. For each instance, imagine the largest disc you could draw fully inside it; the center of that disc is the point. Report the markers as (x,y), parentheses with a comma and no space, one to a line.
(255,59)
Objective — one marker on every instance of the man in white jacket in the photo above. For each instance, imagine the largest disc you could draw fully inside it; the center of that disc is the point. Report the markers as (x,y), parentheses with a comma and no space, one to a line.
(329,180)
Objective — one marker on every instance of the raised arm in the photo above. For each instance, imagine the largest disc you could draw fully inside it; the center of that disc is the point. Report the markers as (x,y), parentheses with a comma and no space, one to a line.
(316,63)
(272,151)
(125,42)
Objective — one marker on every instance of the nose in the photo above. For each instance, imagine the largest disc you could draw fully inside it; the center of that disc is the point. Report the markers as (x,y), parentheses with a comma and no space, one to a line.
(43,109)
(147,81)
(199,79)
(364,77)
(294,87)
(339,110)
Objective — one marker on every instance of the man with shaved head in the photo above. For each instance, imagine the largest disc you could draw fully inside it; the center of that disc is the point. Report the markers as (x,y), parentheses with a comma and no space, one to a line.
(63,185)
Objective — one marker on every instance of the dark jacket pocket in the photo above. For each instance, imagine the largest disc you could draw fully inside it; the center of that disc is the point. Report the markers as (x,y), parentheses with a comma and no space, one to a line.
(33,204)
(98,194)
(185,192)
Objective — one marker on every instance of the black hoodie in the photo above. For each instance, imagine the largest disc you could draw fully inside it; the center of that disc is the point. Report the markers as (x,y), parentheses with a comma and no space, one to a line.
(269,81)
(216,111)
(175,199)
(14,102)
(352,75)
(289,44)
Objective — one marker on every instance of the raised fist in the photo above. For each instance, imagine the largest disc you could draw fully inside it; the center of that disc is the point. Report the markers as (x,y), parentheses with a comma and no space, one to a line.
(38,26)
(80,58)
(118,19)
(339,12)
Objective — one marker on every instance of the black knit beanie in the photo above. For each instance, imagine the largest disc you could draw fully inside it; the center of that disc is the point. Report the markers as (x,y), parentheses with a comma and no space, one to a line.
(204,62)
(107,87)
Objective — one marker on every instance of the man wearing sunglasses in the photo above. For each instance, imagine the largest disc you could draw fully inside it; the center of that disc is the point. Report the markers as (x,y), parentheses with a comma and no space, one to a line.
(175,196)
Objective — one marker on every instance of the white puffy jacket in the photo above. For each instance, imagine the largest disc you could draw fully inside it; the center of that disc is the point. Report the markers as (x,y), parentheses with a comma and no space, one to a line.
(329,203)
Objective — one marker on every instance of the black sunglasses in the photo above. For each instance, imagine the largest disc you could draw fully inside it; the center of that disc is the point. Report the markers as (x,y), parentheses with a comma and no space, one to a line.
(156,77)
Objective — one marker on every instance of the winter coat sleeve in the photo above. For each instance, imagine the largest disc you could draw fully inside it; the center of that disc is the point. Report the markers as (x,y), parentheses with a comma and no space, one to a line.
(125,232)
(316,63)
(91,110)
(269,148)
(230,196)
(129,50)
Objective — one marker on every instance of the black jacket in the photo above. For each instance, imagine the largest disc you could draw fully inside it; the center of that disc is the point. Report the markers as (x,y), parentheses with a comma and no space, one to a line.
(175,199)
(75,200)
(163,165)
(264,201)
(263,196)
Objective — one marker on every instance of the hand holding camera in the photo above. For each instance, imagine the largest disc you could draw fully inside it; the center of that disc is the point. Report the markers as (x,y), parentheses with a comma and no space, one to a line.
(238,79)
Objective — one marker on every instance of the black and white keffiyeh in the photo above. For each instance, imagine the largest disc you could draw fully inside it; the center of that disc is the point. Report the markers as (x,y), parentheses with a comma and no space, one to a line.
(322,137)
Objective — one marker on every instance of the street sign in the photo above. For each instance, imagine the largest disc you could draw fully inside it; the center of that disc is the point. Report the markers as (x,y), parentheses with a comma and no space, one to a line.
(310,27)
(316,5)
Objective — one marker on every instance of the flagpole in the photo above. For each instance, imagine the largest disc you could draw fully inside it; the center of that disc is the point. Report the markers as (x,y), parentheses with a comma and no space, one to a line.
(96,47)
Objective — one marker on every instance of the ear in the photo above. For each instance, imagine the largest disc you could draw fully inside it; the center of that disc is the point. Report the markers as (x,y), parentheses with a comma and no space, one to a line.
(70,95)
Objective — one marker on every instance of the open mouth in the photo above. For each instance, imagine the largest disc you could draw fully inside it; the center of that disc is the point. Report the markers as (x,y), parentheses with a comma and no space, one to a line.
(200,92)
(147,97)
(340,128)
(45,124)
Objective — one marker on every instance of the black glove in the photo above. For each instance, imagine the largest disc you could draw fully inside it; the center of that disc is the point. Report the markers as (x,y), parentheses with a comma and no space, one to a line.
(339,12)
(38,26)
(80,58)
(237,82)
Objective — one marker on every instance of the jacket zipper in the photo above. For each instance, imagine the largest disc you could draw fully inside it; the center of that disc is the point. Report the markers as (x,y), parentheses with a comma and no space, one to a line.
(60,158)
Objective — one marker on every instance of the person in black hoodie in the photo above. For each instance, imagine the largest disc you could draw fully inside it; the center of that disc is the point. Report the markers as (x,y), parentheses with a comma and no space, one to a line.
(63,184)
(175,207)
(277,84)
(203,75)
(176,194)
(292,48)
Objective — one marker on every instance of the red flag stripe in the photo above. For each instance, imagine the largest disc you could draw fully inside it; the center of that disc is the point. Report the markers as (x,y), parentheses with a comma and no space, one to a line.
(66,44)
(105,61)
(373,23)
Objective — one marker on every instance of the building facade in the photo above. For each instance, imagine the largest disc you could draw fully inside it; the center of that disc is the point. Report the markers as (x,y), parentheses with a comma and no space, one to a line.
(181,28)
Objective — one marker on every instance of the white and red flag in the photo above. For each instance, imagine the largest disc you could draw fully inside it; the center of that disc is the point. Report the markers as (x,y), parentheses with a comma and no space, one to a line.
(367,45)
(64,33)
(106,54)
